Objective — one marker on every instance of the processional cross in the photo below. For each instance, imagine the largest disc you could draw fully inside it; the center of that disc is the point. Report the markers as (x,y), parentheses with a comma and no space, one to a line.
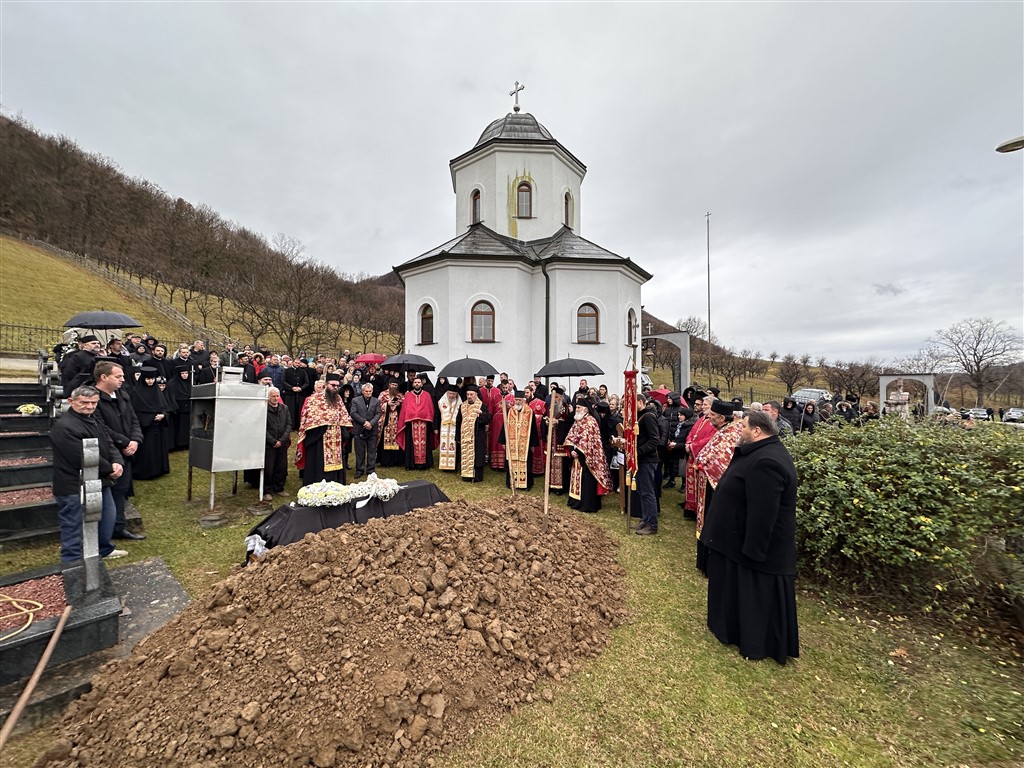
(515,92)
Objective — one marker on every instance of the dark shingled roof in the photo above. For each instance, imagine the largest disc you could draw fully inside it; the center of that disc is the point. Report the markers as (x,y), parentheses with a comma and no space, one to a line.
(564,246)
(517,129)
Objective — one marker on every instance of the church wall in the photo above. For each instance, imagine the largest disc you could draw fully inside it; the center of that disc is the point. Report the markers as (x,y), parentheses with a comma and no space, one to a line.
(613,291)
(498,172)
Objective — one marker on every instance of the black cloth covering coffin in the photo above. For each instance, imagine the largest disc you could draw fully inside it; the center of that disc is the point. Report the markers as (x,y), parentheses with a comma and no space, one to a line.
(290,523)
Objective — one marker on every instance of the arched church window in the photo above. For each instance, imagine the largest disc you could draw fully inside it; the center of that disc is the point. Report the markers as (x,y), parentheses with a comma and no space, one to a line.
(568,210)
(475,206)
(631,328)
(525,201)
(426,324)
(482,321)
(586,324)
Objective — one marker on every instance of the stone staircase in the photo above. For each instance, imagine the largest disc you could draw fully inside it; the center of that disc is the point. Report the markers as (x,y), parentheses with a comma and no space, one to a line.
(27,508)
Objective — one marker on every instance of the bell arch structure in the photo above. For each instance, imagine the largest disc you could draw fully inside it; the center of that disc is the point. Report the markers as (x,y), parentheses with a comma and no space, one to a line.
(926,379)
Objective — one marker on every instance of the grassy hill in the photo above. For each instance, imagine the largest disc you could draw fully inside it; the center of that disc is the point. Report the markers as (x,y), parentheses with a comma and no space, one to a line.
(38,288)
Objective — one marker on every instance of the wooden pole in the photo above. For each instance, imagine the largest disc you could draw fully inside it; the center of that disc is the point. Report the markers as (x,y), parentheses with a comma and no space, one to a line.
(556,401)
(12,719)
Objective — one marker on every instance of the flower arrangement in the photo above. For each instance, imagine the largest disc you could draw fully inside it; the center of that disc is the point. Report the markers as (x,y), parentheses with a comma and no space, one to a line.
(29,409)
(326,494)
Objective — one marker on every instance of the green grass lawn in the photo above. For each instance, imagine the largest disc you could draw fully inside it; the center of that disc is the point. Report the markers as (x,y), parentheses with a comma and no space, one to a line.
(868,690)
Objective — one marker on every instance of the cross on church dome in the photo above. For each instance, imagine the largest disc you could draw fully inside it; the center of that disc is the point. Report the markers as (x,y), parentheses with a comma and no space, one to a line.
(515,92)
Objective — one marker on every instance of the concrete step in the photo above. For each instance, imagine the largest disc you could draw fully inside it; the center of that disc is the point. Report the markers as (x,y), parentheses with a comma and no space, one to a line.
(26,475)
(17,446)
(21,522)
(19,423)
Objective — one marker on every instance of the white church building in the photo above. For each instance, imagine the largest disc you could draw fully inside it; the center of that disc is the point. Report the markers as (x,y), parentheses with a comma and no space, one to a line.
(518,286)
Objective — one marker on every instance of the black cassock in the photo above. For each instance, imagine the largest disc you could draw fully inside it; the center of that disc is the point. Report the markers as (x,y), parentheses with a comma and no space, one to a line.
(313,450)
(179,394)
(479,444)
(294,377)
(589,500)
(151,459)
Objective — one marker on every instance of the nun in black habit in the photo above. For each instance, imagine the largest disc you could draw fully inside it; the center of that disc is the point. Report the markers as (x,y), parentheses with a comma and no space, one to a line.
(179,395)
(154,412)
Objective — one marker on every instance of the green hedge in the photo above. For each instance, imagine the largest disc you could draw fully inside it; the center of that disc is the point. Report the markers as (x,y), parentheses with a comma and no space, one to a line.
(928,517)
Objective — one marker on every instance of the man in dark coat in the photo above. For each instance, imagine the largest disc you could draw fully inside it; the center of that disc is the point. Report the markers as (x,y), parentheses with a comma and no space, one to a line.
(117,415)
(275,457)
(76,367)
(647,442)
(365,413)
(750,541)
(67,433)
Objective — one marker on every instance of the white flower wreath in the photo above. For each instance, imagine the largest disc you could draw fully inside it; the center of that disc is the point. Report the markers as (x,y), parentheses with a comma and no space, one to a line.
(325,494)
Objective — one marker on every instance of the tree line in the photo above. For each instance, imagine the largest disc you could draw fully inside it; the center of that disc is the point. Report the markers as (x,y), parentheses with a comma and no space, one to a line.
(53,190)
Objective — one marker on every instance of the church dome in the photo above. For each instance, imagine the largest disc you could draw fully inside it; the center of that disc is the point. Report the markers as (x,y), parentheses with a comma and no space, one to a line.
(514,127)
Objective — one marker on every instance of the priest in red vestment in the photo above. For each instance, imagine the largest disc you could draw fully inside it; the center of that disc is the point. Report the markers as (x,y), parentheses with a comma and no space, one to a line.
(539,452)
(416,427)
(701,432)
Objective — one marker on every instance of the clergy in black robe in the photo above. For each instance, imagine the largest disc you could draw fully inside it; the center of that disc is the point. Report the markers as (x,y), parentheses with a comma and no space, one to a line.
(471,427)
(153,412)
(519,436)
(389,454)
(589,477)
(293,389)
(325,422)
(750,540)
(179,395)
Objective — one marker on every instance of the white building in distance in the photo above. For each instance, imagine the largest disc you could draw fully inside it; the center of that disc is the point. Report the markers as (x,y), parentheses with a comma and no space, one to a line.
(518,286)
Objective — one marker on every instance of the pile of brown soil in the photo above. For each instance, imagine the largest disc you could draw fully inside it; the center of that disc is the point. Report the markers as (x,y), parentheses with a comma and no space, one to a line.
(375,645)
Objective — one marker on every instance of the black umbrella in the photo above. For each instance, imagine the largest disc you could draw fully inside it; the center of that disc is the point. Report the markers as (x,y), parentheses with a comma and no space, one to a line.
(407,363)
(467,366)
(569,366)
(101,318)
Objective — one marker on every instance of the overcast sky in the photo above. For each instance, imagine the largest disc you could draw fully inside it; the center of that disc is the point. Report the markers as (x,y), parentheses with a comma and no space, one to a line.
(845,151)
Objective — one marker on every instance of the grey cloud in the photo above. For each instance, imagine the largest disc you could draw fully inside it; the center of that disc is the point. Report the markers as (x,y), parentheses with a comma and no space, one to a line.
(887,289)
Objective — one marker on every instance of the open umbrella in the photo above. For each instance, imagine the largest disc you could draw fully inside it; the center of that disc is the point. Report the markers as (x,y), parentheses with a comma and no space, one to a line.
(101,318)
(660,394)
(467,366)
(407,363)
(569,366)
(370,357)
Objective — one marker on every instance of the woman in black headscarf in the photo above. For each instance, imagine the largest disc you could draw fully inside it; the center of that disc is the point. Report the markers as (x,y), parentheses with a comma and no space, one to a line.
(348,391)
(150,405)
(179,397)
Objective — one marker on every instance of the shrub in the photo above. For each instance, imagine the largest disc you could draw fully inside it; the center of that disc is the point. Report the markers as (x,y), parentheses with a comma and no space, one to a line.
(927,516)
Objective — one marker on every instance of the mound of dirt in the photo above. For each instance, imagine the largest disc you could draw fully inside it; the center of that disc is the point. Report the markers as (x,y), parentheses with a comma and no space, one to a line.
(375,645)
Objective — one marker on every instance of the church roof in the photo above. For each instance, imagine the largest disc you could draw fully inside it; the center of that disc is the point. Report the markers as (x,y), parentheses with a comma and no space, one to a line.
(517,128)
(565,246)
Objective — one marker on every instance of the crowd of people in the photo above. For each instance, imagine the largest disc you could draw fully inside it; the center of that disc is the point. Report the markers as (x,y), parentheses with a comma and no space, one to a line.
(346,416)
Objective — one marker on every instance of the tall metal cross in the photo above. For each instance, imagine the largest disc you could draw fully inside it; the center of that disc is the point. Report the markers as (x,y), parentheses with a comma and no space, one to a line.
(515,92)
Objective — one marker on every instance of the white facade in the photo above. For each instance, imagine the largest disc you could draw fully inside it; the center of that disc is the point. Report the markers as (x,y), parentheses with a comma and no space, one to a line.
(535,273)
(496,174)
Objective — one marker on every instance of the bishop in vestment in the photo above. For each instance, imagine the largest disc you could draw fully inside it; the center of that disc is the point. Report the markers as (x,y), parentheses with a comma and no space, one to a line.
(519,436)
(320,453)
(447,430)
(472,428)
(389,454)
(589,478)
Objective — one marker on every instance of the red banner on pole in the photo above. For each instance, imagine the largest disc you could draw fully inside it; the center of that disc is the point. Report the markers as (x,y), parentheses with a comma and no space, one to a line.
(629,426)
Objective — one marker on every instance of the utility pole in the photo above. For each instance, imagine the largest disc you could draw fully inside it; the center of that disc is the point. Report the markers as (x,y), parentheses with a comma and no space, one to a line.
(707,218)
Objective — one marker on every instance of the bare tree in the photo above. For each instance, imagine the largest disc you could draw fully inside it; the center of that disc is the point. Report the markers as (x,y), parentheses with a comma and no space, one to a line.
(976,346)
(790,372)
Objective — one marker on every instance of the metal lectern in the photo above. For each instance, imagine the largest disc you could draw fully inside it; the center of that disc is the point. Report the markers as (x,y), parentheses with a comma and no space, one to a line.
(229,428)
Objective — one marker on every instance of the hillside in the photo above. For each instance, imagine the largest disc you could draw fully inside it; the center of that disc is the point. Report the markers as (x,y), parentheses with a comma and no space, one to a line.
(37,288)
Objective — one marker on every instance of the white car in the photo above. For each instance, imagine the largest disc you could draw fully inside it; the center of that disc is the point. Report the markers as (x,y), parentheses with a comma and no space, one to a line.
(811,395)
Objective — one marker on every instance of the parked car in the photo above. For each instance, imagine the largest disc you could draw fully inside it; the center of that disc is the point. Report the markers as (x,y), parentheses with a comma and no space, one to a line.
(811,395)
(1014,414)
(978,414)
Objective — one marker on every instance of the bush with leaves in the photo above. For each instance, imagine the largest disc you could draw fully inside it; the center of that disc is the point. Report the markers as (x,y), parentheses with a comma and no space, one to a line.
(925,516)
